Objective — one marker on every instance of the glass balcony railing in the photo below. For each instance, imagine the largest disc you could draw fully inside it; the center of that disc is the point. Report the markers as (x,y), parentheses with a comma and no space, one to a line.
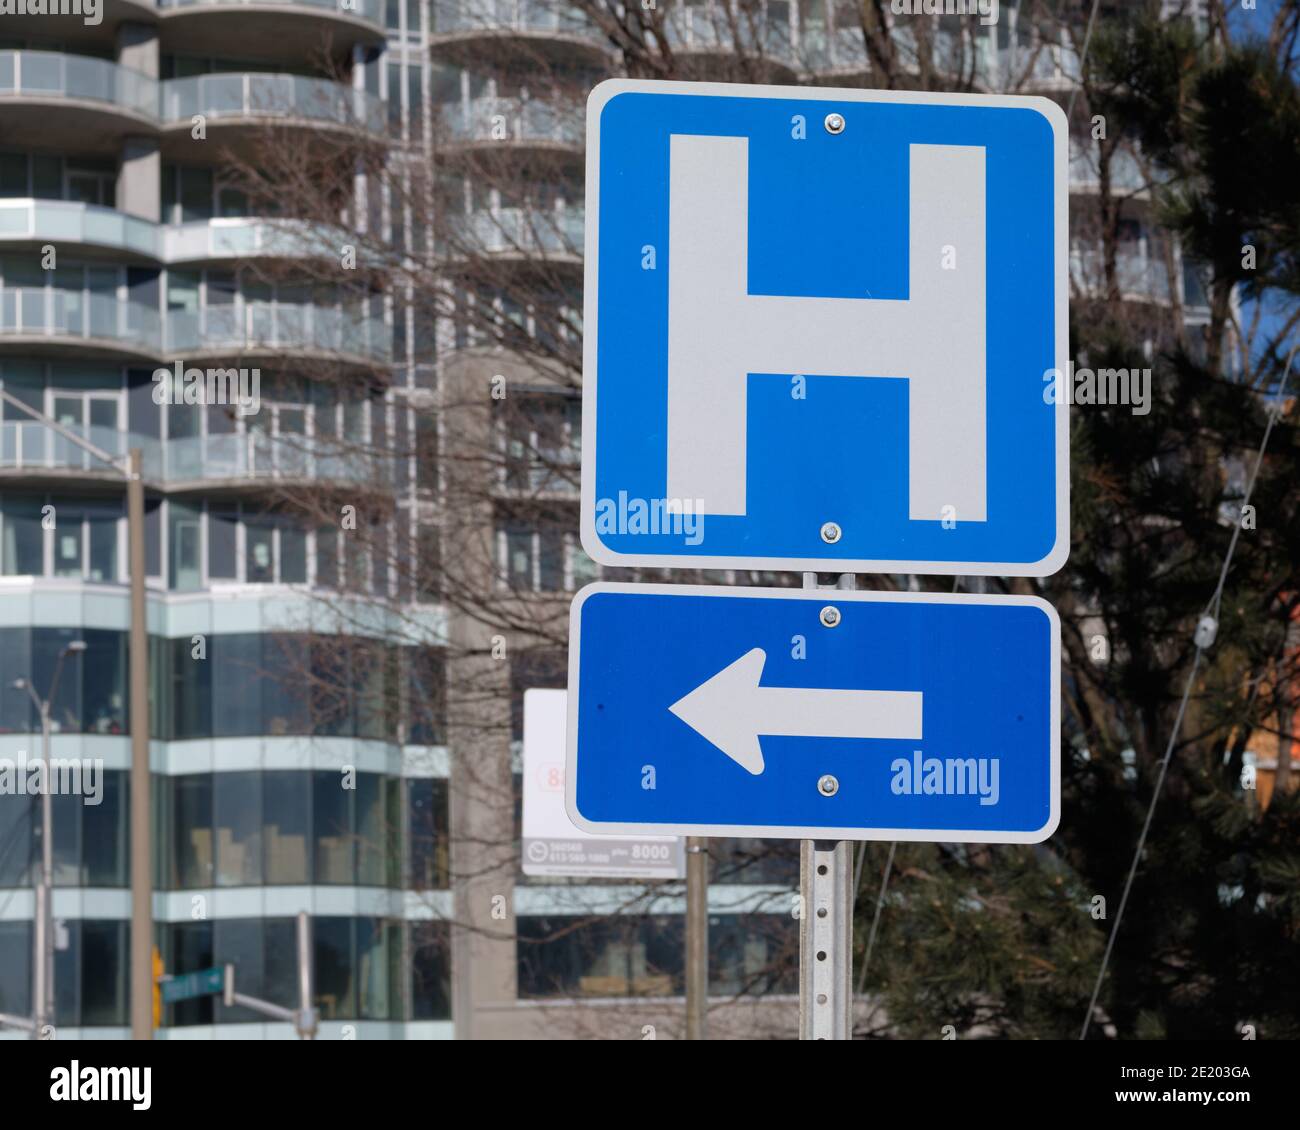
(370,11)
(250,455)
(29,445)
(517,230)
(1126,172)
(514,119)
(278,326)
(84,315)
(836,49)
(236,237)
(750,34)
(49,74)
(1139,276)
(256,455)
(270,95)
(78,314)
(69,221)
(537,17)
(1038,64)
(556,473)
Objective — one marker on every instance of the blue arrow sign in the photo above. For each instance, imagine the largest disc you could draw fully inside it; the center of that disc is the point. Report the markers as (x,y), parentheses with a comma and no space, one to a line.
(821,330)
(809,714)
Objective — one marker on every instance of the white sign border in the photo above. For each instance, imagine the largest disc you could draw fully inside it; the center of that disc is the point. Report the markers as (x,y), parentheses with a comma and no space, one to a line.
(782,832)
(600,95)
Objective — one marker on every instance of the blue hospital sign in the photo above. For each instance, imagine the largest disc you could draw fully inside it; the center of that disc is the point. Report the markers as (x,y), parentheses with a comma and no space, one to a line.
(820,328)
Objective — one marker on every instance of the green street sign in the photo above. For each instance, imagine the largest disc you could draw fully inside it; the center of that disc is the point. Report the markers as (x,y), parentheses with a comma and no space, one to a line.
(185,986)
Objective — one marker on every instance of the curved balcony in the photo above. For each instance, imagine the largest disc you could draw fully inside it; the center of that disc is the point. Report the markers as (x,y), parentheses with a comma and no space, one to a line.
(87,226)
(40,452)
(469,31)
(966,56)
(1140,277)
(46,320)
(236,458)
(281,31)
(834,52)
(520,233)
(252,101)
(1046,67)
(721,40)
(235,238)
(1127,176)
(531,123)
(73,102)
(253,457)
(278,328)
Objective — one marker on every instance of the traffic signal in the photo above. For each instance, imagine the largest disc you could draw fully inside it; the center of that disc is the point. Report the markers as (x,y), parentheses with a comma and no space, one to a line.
(159,971)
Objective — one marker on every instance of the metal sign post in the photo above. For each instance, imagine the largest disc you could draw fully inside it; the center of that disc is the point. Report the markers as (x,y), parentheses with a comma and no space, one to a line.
(826,920)
(826,940)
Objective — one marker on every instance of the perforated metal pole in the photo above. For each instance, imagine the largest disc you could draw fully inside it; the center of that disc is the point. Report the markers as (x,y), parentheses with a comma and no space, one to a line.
(826,940)
(826,926)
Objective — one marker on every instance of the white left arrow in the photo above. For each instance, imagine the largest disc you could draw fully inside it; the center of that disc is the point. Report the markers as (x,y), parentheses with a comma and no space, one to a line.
(731,710)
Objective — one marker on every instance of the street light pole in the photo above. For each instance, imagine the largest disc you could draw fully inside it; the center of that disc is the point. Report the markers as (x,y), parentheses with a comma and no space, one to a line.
(141,807)
(44,992)
(141,802)
(43,916)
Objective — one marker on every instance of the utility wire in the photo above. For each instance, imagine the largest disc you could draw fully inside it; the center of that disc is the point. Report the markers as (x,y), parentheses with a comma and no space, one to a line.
(875,921)
(1211,610)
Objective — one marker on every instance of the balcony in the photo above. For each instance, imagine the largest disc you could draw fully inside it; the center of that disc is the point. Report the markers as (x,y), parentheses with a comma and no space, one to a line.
(34,449)
(553,476)
(502,121)
(834,51)
(517,232)
(1140,277)
(471,30)
(49,320)
(249,456)
(278,327)
(1127,176)
(255,100)
(65,222)
(72,101)
(237,237)
(254,456)
(739,35)
(1029,67)
(281,31)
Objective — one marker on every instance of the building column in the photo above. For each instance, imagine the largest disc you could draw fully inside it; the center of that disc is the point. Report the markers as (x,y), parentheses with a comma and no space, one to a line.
(139,174)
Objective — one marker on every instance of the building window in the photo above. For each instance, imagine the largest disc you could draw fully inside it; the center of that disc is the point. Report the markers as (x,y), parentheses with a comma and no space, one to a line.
(430,971)
(541,555)
(79,536)
(286,798)
(428,833)
(91,696)
(278,828)
(641,955)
